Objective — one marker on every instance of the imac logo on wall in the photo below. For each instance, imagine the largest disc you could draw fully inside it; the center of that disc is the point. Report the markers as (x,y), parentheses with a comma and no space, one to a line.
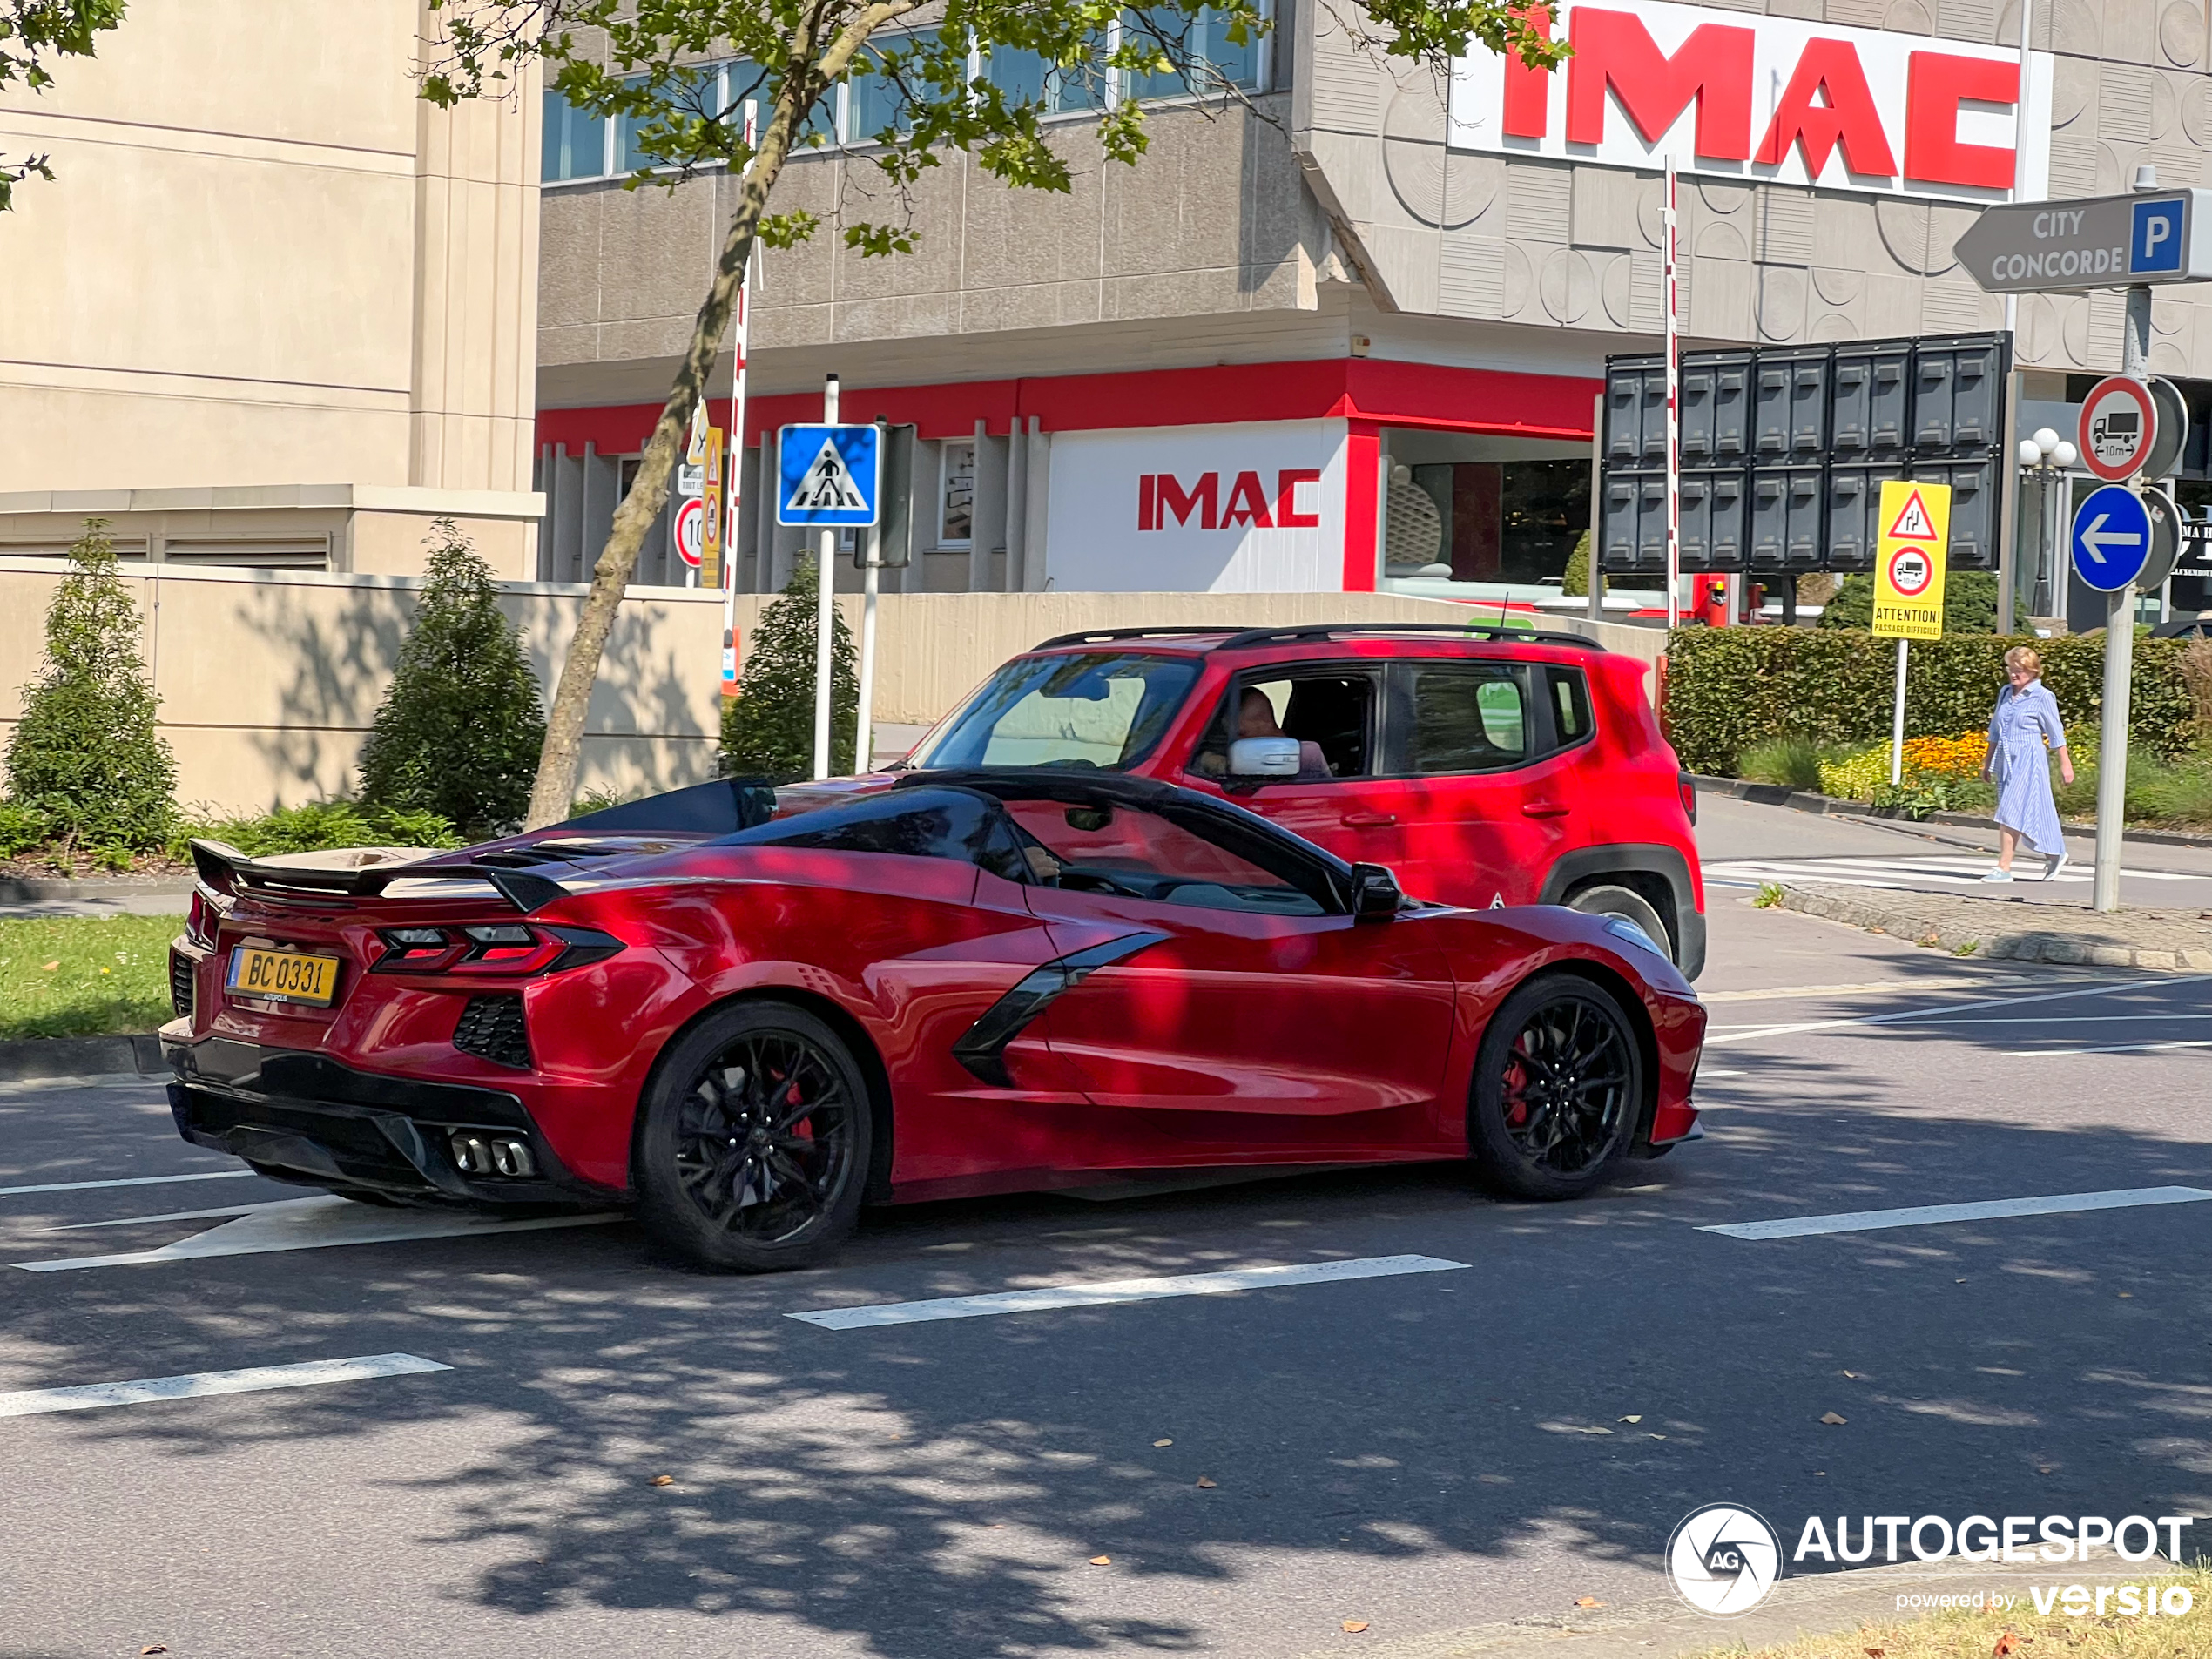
(1754,97)
(1252,508)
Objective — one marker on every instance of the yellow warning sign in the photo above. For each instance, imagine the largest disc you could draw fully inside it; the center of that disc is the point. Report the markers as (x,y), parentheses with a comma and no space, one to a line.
(1908,563)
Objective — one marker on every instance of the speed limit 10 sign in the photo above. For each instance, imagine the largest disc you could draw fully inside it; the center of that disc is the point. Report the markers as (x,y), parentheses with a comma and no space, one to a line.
(2119,422)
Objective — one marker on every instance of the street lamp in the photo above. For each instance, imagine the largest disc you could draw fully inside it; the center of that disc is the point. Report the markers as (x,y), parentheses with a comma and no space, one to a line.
(2047,458)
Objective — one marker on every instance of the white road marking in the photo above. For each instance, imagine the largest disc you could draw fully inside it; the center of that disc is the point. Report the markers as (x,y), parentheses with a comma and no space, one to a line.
(1791,993)
(167,1215)
(1918,1017)
(31,1401)
(1953,869)
(316,1223)
(2109,1048)
(127,1181)
(2056,1204)
(1704,1073)
(1105,1293)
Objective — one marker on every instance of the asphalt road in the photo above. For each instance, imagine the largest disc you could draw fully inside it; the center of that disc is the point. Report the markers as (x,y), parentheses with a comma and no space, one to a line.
(1427,1452)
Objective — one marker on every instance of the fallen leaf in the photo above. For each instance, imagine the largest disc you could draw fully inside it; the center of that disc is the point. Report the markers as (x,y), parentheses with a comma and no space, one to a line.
(1164,1442)
(1101,1561)
(1636,1418)
(48,968)
(1654,1437)
(2125,1295)
(2005,1643)
(1832,1420)
(663,1480)
(1852,1375)
(158,1647)
(1207,1481)
(1874,1653)
(1588,1601)
(1353,1627)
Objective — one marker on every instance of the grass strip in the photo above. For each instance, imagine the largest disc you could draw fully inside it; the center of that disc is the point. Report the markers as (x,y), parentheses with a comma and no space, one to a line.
(84,976)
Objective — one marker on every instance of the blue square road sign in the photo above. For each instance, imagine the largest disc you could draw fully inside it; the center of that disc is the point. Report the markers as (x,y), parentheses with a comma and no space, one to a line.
(2155,239)
(828,475)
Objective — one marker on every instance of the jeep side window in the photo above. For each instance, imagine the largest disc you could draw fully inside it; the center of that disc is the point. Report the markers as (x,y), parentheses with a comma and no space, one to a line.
(1468,717)
(1332,715)
(1570,695)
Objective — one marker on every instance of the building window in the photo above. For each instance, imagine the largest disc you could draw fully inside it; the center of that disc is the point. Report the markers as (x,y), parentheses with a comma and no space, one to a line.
(698,92)
(1219,63)
(1019,74)
(873,104)
(957,493)
(575,141)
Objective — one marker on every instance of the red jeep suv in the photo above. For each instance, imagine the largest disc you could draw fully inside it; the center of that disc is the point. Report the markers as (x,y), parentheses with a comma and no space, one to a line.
(1486,766)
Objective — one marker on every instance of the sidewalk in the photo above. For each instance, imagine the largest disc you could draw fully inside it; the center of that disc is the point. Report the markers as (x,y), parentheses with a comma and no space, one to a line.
(2017,929)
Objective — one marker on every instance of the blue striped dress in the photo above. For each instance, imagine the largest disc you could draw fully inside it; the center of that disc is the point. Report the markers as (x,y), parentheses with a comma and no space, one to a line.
(2021,766)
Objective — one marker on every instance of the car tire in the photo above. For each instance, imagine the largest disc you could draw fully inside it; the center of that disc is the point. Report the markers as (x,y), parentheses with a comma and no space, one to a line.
(1630,905)
(730,1170)
(1558,1089)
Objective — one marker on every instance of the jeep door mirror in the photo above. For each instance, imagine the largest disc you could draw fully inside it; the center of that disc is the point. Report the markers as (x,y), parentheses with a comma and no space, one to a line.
(1375,894)
(1264,758)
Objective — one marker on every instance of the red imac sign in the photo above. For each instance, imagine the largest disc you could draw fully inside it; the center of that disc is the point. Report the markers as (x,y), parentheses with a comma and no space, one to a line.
(1754,97)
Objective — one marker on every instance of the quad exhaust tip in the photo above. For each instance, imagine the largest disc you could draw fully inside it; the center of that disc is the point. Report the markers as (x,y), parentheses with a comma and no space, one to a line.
(478,1154)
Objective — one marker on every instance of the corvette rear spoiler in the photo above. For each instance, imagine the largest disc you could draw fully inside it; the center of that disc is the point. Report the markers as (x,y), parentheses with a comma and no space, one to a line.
(225,869)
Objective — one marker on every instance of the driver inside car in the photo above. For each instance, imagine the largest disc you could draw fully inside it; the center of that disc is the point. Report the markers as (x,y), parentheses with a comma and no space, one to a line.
(1256,718)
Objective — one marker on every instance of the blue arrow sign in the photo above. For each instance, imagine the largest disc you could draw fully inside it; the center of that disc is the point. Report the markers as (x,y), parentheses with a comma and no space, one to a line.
(828,474)
(2111,538)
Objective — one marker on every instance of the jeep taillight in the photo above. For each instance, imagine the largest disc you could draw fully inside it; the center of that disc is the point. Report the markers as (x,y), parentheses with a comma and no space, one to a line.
(1688,785)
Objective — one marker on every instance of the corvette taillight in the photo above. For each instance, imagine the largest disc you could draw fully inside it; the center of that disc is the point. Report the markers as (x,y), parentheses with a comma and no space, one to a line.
(507,949)
(202,919)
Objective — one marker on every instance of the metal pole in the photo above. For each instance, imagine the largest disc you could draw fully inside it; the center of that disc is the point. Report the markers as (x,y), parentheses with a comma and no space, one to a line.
(826,612)
(1897,720)
(1674,410)
(863,738)
(2120,650)
(1597,500)
(2008,496)
(737,466)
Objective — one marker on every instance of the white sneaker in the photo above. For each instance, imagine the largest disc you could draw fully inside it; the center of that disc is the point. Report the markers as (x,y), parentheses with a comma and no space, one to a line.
(2053,863)
(1998,875)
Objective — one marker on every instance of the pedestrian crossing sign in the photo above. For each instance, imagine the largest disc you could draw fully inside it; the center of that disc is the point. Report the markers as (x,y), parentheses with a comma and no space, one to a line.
(828,474)
(1908,561)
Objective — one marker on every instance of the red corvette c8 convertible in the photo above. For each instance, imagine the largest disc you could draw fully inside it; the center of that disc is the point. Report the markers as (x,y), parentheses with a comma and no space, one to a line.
(971,982)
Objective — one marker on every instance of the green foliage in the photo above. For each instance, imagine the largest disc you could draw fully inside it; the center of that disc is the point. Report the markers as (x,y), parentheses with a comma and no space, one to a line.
(319,827)
(1769,896)
(1729,688)
(1575,583)
(21,829)
(1919,798)
(632,61)
(2175,791)
(460,728)
(1792,762)
(33,33)
(768,728)
(85,757)
(1969,603)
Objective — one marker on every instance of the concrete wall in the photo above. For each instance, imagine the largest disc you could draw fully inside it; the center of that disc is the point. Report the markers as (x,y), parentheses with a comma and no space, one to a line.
(266,263)
(269,679)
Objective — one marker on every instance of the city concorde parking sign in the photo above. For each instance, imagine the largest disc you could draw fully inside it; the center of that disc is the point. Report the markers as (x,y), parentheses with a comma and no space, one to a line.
(2096,242)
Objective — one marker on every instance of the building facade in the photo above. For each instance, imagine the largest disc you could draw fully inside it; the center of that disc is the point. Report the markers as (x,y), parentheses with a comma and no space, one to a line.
(1346,334)
(275,309)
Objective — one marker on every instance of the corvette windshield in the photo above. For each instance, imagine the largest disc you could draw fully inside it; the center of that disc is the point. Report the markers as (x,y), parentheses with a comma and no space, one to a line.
(1100,709)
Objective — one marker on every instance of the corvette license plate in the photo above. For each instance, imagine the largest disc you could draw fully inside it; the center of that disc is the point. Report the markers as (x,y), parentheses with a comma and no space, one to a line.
(283,975)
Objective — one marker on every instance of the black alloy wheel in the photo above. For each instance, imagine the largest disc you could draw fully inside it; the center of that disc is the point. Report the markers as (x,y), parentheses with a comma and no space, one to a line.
(1558,1089)
(752,1151)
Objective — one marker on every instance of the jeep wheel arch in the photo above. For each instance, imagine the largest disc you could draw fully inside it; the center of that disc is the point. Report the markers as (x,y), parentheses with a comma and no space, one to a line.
(1660,873)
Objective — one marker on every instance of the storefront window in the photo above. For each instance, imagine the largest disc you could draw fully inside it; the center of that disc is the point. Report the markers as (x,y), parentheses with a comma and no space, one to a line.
(956,495)
(1465,508)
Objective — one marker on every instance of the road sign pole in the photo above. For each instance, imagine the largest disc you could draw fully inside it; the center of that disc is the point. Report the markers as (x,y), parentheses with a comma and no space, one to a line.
(1669,276)
(2120,656)
(826,612)
(863,738)
(1897,720)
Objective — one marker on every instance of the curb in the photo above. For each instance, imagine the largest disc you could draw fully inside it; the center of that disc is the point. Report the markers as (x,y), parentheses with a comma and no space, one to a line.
(23,889)
(2027,945)
(1829,806)
(42,1057)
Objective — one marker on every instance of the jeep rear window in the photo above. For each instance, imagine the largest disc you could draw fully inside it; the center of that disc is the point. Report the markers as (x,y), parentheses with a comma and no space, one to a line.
(1105,710)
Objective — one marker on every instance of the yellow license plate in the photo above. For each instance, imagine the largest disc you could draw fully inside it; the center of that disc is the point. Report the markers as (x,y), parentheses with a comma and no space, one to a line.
(283,975)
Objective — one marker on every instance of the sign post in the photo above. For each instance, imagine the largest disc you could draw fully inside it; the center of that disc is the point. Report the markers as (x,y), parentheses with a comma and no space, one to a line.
(1908,582)
(740,333)
(1668,278)
(829,476)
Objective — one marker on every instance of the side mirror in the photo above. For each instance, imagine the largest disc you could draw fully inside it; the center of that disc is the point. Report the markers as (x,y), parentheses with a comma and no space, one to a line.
(1375,894)
(1264,758)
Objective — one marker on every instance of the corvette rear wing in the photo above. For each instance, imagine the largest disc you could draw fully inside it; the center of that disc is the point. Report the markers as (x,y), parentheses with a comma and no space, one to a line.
(227,870)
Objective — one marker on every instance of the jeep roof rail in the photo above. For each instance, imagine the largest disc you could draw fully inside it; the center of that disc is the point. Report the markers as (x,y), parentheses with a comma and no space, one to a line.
(1105,635)
(1488,632)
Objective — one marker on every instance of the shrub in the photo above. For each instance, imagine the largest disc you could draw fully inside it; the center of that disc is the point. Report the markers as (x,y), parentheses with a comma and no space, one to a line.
(1969,603)
(1792,762)
(85,757)
(460,729)
(1856,776)
(1575,583)
(1938,758)
(21,829)
(2196,674)
(319,827)
(768,728)
(1729,688)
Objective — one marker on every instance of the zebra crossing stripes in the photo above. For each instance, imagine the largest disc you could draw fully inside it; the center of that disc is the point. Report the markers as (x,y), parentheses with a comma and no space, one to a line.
(1941,869)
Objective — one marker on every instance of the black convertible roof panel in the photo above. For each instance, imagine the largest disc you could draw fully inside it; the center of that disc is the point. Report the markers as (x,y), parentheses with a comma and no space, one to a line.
(721,807)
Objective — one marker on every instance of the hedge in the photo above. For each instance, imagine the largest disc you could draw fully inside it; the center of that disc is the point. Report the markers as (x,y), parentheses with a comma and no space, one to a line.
(1728,688)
